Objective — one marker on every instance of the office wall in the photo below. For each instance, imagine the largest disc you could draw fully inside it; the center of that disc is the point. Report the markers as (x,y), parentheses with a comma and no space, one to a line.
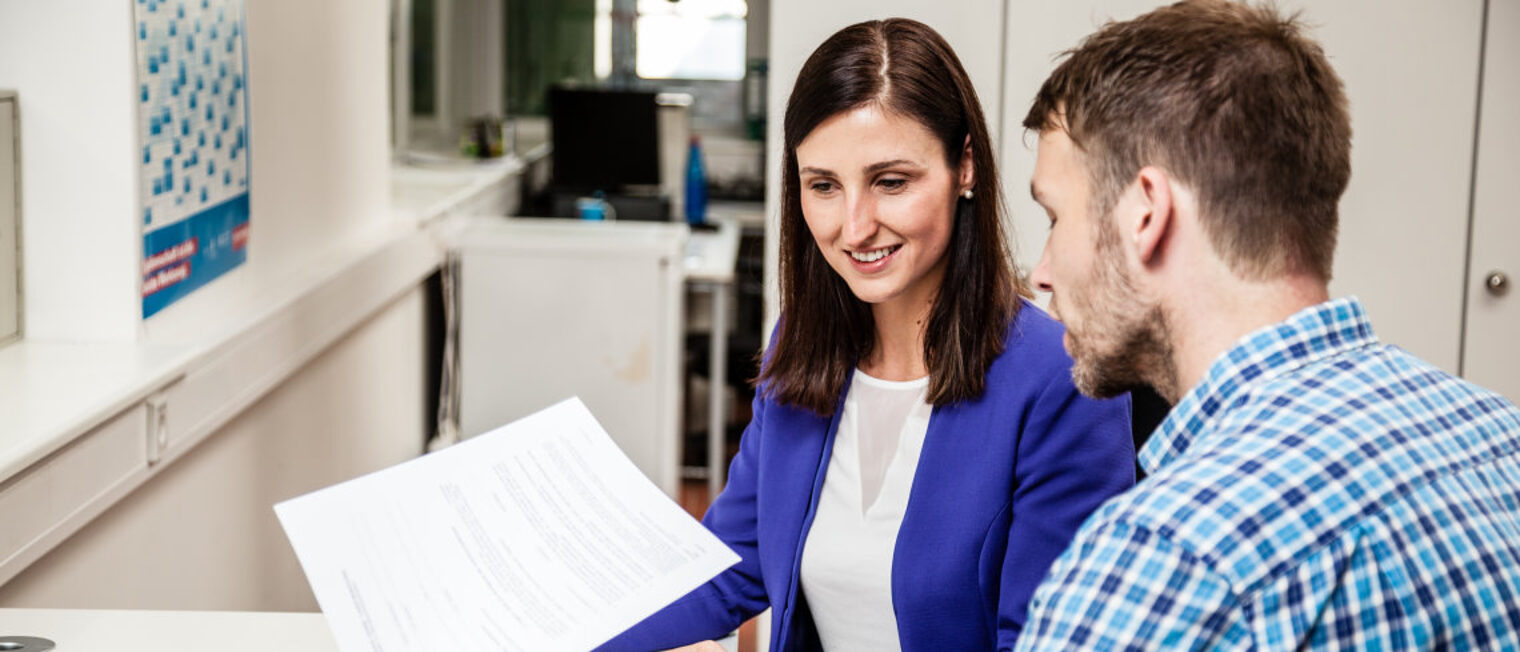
(202,534)
(72,63)
(318,83)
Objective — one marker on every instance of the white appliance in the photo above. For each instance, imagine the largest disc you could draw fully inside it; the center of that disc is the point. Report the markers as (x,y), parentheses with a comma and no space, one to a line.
(554,308)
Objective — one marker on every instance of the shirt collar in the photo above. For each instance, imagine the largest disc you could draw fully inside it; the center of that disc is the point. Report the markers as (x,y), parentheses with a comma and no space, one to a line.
(1311,334)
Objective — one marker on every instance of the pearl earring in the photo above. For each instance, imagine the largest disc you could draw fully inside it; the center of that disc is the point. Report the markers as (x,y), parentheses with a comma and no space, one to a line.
(967,193)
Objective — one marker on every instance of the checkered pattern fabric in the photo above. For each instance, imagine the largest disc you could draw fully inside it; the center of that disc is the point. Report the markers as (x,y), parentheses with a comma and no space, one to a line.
(1317,489)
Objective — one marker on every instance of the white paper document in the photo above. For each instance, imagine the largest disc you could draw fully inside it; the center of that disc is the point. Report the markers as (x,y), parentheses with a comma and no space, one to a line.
(539,535)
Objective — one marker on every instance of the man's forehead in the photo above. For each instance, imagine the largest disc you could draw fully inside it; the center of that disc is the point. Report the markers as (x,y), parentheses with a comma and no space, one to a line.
(1048,149)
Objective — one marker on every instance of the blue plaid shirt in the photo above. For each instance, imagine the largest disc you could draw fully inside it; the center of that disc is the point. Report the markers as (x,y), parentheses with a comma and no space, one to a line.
(1316,488)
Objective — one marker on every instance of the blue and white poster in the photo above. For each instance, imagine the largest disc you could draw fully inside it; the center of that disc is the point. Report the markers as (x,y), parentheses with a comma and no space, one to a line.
(193,131)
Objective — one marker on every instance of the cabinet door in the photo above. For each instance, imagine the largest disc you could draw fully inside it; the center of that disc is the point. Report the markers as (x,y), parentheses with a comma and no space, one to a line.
(1491,356)
(1411,73)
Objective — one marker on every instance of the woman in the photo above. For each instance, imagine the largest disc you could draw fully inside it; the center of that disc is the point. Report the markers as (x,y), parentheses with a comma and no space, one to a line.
(918,454)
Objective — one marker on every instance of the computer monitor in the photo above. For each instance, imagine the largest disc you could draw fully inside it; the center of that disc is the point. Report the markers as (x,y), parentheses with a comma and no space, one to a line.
(605,140)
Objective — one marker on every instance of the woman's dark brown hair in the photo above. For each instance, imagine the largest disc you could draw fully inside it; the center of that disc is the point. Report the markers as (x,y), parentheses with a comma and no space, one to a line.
(906,68)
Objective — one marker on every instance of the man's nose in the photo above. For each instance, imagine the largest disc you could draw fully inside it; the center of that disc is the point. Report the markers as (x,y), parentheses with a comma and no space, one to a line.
(1041,275)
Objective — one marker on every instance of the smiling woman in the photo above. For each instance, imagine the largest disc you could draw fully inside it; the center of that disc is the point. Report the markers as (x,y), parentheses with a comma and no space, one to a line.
(918,454)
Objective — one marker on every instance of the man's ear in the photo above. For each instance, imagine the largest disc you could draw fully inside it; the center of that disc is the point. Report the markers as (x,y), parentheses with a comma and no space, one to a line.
(968,167)
(1158,205)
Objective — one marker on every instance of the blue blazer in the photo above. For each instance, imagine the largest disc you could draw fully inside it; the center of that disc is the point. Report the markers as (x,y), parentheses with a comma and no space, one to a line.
(1002,484)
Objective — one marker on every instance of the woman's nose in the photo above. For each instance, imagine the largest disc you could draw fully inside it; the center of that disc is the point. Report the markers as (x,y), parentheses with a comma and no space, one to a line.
(860,223)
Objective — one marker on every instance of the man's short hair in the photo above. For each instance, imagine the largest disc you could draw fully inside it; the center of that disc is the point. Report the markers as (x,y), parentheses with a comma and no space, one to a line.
(1233,101)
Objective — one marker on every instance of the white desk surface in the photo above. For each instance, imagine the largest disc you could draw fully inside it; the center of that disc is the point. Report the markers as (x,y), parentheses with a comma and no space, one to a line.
(80,630)
(88,630)
(710,255)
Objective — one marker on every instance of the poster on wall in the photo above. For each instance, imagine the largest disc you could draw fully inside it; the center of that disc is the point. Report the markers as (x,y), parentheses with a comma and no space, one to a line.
(192,123)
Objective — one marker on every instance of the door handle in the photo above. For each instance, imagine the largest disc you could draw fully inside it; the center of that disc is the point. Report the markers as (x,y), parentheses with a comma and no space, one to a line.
(1497,283)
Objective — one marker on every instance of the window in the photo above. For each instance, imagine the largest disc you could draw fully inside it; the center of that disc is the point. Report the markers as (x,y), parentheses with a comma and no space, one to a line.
(458,60)
(690,39)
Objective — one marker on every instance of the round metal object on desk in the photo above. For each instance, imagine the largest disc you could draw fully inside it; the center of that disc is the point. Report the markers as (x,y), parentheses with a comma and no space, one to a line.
(1497,283)
(24,644)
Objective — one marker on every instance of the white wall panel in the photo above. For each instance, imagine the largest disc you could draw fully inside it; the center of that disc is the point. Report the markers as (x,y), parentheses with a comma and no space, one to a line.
(71,63)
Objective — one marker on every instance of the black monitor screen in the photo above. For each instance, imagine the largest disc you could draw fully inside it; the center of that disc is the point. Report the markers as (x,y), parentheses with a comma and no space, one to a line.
(604,139)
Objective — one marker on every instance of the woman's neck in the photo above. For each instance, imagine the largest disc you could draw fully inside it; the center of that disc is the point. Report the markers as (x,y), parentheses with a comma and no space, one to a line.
(899,350)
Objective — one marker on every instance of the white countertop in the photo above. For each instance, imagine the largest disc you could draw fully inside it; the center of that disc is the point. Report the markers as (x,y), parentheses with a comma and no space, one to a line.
(82,630)
(52,392)
(425,192)
(90,630)
(710,255)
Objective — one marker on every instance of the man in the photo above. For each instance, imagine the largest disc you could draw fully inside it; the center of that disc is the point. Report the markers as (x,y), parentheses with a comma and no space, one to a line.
(1312,486)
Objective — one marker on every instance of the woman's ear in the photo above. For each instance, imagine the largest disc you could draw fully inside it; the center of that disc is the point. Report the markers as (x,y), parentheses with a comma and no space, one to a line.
(968,167)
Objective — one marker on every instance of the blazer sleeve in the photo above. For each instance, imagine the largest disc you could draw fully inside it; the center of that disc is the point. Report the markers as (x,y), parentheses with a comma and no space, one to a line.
(718,607)
(1074,453)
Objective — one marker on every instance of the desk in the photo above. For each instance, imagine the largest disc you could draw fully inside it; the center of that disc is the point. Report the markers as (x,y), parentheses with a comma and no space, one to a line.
(171,631)
(709,265)
(86,630)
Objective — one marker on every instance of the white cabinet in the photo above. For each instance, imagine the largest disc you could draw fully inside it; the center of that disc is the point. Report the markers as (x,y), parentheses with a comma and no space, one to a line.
(1491,357)
(10,221)
(1411,73)
(550,309)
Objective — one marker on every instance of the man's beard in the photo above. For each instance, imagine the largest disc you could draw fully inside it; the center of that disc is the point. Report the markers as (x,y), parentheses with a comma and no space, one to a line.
(1125,342)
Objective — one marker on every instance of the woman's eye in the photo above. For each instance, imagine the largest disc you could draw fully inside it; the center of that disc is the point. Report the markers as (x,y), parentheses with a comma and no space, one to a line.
(821,187)
(893,185)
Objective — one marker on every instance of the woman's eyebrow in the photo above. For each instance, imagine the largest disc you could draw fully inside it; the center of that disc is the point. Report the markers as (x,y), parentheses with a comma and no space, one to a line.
(869,169)
(877,167)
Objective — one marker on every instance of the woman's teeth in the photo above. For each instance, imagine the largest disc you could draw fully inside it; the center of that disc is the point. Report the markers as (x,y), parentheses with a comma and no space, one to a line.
(872,256)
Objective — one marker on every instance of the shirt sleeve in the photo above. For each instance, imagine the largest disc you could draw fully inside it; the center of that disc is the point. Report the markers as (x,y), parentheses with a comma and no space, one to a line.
(718,607)
(1074,453)
(1123,587)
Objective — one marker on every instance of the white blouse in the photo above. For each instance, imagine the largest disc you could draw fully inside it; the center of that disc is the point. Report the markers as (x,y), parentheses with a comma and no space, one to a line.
(847,560)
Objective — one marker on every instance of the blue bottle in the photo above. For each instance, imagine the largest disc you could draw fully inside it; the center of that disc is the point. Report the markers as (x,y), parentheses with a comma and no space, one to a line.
(696,184)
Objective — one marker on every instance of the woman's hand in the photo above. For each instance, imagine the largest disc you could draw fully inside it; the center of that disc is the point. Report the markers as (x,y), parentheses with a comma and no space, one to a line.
(704,646)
